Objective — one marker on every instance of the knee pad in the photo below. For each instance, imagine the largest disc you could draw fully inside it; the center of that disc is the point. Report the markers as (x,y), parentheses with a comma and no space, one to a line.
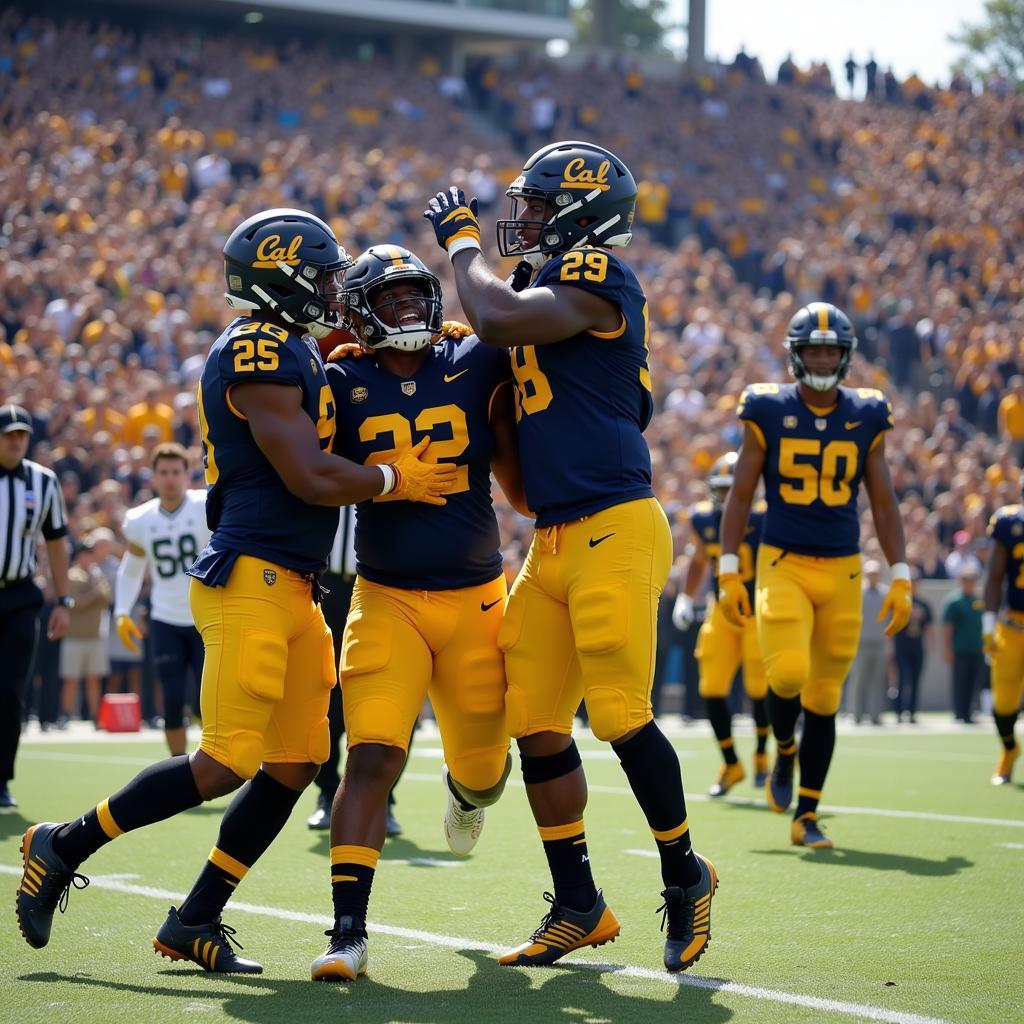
(608,710)
(787,671)
(822,697)
(245,753)
(553,766)
(476,769)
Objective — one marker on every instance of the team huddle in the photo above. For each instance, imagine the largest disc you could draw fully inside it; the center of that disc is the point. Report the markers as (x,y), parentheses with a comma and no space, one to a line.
(549,389)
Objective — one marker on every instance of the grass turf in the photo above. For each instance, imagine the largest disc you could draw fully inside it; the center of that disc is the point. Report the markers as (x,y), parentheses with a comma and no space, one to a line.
(908,917)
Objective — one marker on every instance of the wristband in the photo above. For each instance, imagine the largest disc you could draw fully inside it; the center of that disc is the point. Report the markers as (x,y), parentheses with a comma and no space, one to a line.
(729,564)
(462,243)
(988,623)
(900,571)
(390,479)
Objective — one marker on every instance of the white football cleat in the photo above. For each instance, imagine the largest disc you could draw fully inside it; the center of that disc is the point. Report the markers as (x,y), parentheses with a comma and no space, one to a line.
(346,957)
(462,827)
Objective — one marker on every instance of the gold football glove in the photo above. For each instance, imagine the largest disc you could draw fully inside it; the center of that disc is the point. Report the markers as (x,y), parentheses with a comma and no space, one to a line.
(992,644)
(128,633)
(733,598)
(345,350)
(898,602)
(455,329)
(417,480)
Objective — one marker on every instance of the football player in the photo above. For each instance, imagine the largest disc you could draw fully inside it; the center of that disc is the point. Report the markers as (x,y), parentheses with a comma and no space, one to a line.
(813,442)
(581,616)
(721,647)
(430,591)
(1004,639)
(164,535)
(266,417)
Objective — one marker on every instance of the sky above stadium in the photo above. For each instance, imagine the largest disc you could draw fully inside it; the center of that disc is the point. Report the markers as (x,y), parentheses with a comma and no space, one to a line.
(908,34)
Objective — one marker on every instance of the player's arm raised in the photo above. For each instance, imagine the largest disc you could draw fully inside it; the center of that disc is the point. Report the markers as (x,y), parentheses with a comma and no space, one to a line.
(288,438)
(885,511)
(732,594)
(505,456)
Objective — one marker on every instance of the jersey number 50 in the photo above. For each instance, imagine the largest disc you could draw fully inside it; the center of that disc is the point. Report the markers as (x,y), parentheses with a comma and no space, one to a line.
(822,477)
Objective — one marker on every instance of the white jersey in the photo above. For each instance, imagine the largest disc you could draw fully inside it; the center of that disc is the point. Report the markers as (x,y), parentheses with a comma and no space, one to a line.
(171,541)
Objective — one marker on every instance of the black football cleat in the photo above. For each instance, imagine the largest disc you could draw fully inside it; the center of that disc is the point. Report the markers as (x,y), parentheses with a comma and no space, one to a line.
(208,945)
(562,931)
(46,883)
(688,914)
(779,788)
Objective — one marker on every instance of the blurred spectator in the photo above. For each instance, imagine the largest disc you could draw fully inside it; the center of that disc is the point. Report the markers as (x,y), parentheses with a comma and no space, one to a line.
(1011,417)
(869,682)
(961,629)
(84,653)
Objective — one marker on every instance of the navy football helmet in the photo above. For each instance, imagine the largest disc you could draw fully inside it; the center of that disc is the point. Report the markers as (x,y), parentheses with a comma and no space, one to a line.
(408,322)
(287,263)
(723,471)
(591,199)
(820,323)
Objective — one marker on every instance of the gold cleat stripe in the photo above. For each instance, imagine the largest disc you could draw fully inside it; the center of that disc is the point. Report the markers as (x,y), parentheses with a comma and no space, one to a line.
(213,958)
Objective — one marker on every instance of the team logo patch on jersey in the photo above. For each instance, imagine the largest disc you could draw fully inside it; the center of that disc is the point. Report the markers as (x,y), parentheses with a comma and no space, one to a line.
(789,422)
(820,424)
(357,395)
(408,387)
(1017,529)
(270,577)
(313,366)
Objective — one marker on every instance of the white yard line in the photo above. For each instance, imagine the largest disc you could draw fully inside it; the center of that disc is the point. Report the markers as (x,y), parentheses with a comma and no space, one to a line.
(741,801)
(455,942)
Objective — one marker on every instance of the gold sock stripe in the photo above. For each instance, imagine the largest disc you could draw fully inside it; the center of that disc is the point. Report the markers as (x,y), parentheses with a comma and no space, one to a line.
(227,863)
(111,829)
(364,856)
(549,833)
(814,794)
(576,842)
(726,743)
(763,730)
(343,878)
(787,748)
(673,833)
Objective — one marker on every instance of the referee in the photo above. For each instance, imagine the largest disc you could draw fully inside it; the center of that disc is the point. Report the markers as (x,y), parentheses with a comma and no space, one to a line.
(339,579)
(31,504)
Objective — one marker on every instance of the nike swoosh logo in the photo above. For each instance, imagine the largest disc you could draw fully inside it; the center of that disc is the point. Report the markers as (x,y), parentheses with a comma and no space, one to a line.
(853,426)
(594,541)
(488,607)
(454,376)
(854,575)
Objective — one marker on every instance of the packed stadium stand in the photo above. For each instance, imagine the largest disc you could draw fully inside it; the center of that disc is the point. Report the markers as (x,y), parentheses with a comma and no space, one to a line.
(131,153)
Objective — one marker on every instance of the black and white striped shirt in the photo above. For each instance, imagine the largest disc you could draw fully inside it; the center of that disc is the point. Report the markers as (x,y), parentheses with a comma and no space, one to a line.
(31,503)
(343,553)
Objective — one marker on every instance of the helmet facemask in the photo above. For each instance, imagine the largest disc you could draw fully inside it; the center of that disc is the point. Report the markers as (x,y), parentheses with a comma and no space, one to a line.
(407,322)
(819,382)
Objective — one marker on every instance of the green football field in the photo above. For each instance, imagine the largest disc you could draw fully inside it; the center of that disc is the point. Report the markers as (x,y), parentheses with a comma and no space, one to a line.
(918,915)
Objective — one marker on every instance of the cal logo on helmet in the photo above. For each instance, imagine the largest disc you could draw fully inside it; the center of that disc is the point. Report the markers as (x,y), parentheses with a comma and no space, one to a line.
(578,175)
(270,252)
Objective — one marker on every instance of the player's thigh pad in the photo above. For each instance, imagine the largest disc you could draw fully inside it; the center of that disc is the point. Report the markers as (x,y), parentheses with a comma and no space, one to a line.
(386,665)
(467,691)
(544,685)
(245,628)
(1008,670)
(718,653)
(298,732)
(836,636)
(613,602)
(785,620)
(755,680)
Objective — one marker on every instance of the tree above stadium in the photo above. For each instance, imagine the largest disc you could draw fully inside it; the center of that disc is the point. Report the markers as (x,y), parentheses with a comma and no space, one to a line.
(997,45)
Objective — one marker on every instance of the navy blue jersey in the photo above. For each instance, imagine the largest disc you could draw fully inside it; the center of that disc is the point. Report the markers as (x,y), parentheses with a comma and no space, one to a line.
(706,520)
(582,404)
(814,462)
(410,544)
(1007,527)
(248,507)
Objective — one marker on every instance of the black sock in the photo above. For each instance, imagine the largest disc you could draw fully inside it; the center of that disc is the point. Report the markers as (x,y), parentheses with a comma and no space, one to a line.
(721,724)
(1005,725)
(253,820)
(652,768)
(816,746)
(352,871)
(565,847)
(157,792)
(761,726)
(782,713)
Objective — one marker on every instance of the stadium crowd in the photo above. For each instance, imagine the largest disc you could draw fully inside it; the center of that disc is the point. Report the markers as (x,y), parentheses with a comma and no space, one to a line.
(129,158)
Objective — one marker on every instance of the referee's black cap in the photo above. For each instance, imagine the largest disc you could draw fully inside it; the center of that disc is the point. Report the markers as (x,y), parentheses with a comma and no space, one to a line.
(13,417)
